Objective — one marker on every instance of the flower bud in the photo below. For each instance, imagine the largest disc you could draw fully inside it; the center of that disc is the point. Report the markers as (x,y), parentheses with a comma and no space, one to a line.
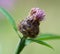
(30,26)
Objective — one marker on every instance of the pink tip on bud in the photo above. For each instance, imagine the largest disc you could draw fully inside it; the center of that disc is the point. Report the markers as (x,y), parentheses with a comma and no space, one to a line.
(37,13)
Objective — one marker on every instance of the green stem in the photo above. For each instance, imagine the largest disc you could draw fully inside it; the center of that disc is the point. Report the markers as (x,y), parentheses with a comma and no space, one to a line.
(21,45)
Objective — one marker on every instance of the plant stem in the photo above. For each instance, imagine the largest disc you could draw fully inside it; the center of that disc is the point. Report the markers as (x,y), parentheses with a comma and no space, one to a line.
(21,45)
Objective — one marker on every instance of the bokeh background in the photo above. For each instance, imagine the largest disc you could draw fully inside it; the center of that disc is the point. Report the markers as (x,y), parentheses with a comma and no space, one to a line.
(19,10)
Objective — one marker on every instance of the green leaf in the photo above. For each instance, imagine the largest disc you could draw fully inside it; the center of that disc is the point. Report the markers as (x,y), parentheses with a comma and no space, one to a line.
(47,37)
(28,42)
(10,19)
(41,42)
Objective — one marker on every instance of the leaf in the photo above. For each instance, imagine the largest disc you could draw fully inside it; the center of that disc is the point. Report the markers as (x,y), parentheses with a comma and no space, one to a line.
(47,37)
(10,19)
(41,42)
(28,42)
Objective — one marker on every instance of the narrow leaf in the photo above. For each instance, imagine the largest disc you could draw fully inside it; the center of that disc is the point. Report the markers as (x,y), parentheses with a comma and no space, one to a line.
(10,19)
(47,37)
(43,43)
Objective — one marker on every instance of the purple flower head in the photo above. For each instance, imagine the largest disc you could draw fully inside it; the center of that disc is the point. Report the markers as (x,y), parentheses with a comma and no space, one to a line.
(37,13)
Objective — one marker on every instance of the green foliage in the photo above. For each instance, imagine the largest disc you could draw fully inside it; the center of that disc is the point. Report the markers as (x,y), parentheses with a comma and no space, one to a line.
(42,42)
(28,42)
(10,19)
(47,37)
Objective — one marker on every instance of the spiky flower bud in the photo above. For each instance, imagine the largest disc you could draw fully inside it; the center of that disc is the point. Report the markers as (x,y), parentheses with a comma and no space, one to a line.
(30,26)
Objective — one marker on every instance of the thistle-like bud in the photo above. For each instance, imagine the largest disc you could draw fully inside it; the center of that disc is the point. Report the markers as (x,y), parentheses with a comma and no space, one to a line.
(30,26)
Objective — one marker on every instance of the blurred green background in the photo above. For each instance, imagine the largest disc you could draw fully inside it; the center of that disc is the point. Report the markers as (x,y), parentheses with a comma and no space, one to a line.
(19,10)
